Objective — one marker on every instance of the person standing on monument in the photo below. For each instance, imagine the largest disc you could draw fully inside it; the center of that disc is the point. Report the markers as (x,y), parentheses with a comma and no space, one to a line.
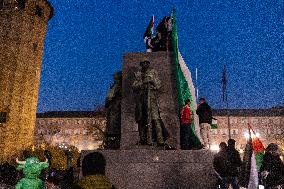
(204,113)
(188,139)
(150,126)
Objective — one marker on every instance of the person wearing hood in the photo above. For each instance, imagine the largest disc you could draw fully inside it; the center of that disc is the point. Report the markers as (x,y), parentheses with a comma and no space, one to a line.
(234,164)
(93,169)
(272,169)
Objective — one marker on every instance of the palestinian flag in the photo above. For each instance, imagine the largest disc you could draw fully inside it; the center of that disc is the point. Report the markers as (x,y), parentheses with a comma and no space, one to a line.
(258,148)
(252,160)
(185,87)
(150,28)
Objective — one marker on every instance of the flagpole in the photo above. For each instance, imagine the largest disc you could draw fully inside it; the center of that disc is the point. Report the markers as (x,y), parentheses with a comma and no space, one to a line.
(225,97)
(227,106)
(228,116)
(196,83)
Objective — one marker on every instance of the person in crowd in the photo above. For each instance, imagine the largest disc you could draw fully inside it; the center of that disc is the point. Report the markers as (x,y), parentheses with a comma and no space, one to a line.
(8,174)
(52,181)
(204,113)
(93,169)
(68,178)
(188,139)
(272,169)
(221,165)
(234,164)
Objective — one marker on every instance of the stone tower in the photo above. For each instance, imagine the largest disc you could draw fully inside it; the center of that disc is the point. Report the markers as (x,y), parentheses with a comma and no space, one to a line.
(23,25)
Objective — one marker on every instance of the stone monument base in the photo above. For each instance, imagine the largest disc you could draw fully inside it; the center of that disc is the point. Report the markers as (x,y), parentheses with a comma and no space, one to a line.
(156,169)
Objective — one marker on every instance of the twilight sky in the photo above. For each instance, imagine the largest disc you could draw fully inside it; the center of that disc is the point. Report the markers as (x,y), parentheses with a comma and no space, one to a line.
(86,40)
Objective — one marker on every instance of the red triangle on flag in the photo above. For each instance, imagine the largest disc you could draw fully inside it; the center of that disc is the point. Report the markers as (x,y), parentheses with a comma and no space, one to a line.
(256,143)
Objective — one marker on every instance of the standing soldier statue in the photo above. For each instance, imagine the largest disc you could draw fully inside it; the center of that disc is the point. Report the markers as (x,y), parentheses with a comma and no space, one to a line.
(150,126)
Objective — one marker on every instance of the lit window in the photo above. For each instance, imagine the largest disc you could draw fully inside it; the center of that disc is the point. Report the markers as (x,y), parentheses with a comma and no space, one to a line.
(3,117)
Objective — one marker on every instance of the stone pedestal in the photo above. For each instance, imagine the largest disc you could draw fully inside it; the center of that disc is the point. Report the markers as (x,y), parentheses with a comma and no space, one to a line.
(167,97)
(160,169)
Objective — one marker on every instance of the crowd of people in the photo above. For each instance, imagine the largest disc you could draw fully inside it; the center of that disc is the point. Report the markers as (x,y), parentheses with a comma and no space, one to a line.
(227,165)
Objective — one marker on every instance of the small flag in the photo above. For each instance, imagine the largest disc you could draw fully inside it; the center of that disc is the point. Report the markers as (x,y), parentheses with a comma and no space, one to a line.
(150,28)
(214,124)
(224,83)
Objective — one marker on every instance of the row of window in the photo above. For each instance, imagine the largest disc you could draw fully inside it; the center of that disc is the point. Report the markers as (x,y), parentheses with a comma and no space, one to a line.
(265,131)
(70,122)
(67,132)
(254,121)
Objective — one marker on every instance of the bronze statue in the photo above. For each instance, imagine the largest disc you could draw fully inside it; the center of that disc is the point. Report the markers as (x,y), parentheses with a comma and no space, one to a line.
(113,111)
(150,126)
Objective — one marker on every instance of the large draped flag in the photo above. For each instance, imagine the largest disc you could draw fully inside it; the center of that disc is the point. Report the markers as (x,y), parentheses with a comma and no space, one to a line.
(185,87)
(253,156)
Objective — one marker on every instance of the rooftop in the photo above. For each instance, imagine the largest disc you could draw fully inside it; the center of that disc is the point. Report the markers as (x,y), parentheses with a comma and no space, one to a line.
(69,114)
(277,111)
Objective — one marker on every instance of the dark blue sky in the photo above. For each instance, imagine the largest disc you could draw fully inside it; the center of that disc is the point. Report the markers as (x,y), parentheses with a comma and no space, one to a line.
(86,40)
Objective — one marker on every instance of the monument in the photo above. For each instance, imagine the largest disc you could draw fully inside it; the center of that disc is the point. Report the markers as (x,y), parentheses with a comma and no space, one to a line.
(149,156)
(23,26)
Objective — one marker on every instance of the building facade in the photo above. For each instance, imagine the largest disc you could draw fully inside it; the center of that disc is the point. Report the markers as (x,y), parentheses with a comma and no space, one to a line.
(268,125)
(85,130)
(23,27)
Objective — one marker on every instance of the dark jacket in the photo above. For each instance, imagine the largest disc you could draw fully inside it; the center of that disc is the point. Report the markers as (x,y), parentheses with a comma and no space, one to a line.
(204,113)
(220,163)
(235,162)
(275,167)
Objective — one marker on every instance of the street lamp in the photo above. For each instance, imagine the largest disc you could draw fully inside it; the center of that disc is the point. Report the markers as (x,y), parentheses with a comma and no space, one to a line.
(256,135)
(214,147)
